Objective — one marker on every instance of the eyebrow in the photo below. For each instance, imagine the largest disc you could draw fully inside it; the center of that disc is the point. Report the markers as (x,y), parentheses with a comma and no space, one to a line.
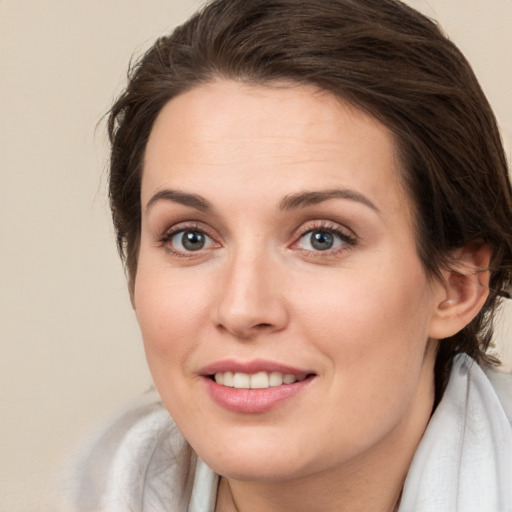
(308,198)
(289,202)
(193,200)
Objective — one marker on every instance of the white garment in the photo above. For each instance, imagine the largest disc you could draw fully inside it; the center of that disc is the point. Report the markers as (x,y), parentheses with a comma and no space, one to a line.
(464,460)
(141,462)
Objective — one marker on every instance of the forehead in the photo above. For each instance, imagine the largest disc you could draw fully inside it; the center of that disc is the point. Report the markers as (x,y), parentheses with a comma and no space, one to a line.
(282,138)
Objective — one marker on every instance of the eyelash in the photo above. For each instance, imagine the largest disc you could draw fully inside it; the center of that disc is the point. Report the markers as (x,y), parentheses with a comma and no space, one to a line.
(348,240)
(181,228)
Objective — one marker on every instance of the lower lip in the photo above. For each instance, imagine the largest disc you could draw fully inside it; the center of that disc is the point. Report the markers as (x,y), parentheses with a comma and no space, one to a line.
(253,401)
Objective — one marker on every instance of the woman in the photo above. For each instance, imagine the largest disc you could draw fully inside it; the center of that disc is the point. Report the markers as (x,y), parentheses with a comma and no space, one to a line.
(313,205)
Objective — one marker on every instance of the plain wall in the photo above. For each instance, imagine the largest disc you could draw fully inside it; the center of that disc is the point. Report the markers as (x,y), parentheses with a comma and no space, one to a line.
(71,351)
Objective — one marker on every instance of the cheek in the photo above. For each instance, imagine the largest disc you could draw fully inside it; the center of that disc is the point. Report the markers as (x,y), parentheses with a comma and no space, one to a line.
(368,319)
(172,310)
(171,316)
(374,337)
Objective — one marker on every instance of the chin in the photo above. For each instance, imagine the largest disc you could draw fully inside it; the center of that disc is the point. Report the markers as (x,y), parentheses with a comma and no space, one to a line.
(257,459)
(256,470)
(245,458)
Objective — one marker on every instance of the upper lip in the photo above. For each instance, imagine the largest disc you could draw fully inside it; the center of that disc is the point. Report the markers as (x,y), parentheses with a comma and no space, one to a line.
(250,367)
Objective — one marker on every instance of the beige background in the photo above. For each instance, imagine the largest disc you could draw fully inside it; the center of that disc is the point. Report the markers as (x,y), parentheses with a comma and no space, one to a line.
(70,346)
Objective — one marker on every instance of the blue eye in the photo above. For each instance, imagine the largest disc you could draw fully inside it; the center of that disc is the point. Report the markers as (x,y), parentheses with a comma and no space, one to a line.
(323,240)
(189,240)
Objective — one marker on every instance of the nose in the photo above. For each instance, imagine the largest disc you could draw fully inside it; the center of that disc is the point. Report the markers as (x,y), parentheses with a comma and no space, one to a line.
(251,299)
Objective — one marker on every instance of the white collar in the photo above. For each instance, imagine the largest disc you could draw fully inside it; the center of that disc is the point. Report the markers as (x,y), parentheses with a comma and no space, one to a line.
(464,460)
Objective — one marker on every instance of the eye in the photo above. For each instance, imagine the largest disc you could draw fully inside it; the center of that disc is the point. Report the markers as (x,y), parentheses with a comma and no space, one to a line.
(188,240)
(324,240)
(320,240)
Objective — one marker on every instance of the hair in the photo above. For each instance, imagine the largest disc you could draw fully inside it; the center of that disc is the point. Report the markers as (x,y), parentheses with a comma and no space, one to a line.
(378,55)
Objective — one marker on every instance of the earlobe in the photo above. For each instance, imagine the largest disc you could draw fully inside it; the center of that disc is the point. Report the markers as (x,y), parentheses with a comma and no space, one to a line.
(465,290)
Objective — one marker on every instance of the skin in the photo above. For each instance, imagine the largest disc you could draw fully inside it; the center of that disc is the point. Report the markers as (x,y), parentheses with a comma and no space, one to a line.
(362,317)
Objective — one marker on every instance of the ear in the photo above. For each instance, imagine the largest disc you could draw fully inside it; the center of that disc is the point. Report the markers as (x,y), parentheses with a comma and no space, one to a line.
(464,290)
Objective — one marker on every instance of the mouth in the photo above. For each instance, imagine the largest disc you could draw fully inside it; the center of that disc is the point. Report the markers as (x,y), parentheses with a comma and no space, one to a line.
(255,386)
(258,380)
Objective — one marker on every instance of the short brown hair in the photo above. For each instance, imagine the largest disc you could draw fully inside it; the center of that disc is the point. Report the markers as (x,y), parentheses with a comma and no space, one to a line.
(379,55)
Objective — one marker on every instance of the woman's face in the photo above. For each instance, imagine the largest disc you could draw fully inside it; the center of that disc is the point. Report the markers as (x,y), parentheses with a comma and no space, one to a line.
(277,245)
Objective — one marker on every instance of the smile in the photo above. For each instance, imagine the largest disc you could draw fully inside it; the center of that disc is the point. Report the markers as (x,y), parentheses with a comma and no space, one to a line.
(254,387)
(260,380)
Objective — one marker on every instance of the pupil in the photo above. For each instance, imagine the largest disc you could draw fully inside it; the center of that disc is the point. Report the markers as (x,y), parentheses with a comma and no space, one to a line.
(193,240)
(321,240)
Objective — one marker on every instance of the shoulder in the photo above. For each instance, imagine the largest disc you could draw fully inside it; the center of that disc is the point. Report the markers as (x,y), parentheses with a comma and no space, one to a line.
(134,461)
(501,381)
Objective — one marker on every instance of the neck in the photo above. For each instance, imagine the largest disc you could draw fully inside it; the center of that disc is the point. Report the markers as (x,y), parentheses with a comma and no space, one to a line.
(300,496)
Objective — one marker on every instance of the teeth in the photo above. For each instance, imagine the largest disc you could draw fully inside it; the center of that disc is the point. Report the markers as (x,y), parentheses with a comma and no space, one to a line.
(260,380)
(241,381)
(228,379)
(288,378)
(275,379)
